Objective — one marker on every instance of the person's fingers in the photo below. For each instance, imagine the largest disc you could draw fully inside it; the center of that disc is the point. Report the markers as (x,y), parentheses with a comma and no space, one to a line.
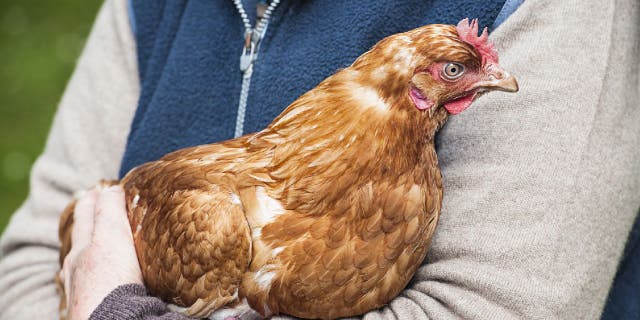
(111,219)
(83,221)
(112,228)
(81,234)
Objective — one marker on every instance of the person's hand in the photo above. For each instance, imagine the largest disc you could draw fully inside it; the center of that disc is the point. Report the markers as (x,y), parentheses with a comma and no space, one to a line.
(102,255)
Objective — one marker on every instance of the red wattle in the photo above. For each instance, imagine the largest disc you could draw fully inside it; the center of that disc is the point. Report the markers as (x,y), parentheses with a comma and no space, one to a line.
(458,105)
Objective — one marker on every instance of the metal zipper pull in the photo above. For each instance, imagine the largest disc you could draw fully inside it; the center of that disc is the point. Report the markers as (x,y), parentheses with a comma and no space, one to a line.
(248,52)
(252,39)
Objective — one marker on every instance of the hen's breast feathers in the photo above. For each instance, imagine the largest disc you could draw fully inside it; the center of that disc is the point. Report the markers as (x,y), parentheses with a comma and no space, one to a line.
(331,207)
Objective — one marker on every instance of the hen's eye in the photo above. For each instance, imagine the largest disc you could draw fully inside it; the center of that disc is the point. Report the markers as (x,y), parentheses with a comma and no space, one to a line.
(452,71)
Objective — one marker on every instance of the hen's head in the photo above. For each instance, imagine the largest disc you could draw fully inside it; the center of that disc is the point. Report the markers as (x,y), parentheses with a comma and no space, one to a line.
(435,66)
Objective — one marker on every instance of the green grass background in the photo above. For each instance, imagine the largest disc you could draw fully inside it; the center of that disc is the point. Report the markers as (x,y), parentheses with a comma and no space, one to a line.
(39,44)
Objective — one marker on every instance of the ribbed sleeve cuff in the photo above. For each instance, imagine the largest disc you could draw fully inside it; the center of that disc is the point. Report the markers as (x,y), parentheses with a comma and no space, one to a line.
(129,301)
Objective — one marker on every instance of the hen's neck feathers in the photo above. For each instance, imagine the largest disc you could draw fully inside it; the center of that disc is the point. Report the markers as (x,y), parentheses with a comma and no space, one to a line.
(333,140)
(363,114)
(352,115)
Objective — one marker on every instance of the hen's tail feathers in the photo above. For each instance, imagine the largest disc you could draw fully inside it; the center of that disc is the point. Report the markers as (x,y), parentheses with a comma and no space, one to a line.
(64,230)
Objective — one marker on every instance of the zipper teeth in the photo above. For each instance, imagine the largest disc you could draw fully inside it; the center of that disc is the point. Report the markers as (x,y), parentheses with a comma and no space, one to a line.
(243,15)
(246,76)
(267,15)
(242,104)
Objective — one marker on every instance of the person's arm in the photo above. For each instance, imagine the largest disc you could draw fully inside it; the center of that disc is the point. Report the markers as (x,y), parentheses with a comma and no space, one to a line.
(541,187)
(85,145)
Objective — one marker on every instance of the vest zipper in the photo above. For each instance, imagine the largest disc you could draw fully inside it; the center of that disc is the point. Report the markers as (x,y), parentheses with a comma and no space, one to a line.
(252,38)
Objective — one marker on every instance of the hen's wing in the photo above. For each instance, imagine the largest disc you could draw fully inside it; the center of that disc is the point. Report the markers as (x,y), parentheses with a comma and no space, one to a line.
(191,235)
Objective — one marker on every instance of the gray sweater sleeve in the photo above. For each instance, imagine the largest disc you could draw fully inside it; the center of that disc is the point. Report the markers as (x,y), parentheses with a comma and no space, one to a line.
(132,301)
(85,144)
(541,187)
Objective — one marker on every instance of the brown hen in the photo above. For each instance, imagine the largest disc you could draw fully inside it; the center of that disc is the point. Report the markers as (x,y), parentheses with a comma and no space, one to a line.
(328,211)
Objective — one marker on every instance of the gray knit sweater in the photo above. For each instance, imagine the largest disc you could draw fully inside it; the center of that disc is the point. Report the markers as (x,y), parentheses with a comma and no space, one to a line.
(132,301)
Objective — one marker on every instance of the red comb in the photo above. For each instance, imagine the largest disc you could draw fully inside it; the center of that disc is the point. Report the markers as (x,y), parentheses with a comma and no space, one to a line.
(468,32)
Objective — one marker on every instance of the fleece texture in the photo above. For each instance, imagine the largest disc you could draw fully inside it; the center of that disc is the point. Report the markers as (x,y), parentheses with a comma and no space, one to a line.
(189,53)
(624,297)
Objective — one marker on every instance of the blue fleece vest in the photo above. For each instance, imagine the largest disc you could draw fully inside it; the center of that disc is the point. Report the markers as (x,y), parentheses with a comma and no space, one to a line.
(189,53)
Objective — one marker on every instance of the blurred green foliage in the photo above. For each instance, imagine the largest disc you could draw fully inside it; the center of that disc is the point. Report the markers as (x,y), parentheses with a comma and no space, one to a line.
(39,44)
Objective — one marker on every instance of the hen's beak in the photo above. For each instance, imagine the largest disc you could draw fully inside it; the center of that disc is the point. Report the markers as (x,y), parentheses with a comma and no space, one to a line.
(498,79)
